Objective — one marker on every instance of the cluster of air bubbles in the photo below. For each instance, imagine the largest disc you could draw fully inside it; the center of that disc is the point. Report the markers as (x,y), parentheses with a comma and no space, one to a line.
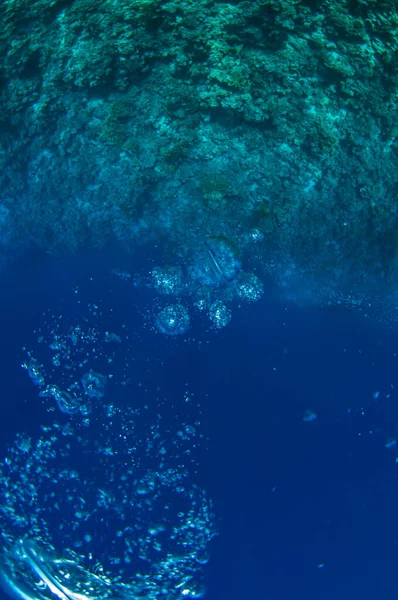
(249,287)
(210,281)
(108,511)
(70,401)
(220,315)
(115,530)
(168,280)
(61,365)
(173,320)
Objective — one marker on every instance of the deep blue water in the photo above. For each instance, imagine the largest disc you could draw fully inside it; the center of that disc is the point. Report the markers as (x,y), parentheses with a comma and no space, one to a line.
(289,496)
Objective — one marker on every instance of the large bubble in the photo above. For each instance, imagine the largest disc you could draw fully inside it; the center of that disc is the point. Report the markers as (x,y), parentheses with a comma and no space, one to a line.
(94,384)
(35,373)
(173,320)
(215,263)
(249,287)
(219,314)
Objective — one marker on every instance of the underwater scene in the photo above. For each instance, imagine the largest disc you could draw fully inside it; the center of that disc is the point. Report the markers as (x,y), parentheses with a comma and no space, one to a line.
(198,299)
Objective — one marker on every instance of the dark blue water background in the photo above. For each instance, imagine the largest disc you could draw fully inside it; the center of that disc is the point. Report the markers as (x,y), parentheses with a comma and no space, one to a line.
(290,496)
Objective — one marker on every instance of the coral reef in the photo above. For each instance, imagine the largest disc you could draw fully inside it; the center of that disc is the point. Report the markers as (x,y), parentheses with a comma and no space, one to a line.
(140,119)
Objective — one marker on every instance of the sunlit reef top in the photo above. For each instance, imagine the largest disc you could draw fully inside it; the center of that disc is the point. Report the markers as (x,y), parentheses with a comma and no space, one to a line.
(145,119)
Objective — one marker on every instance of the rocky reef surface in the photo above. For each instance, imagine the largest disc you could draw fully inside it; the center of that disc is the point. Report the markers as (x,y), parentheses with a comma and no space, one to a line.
(173,120)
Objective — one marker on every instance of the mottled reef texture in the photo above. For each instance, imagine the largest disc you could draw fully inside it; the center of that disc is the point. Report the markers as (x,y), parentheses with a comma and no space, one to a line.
(139,119)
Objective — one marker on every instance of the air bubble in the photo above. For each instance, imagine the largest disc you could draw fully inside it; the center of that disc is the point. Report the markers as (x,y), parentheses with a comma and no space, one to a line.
(173,320)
